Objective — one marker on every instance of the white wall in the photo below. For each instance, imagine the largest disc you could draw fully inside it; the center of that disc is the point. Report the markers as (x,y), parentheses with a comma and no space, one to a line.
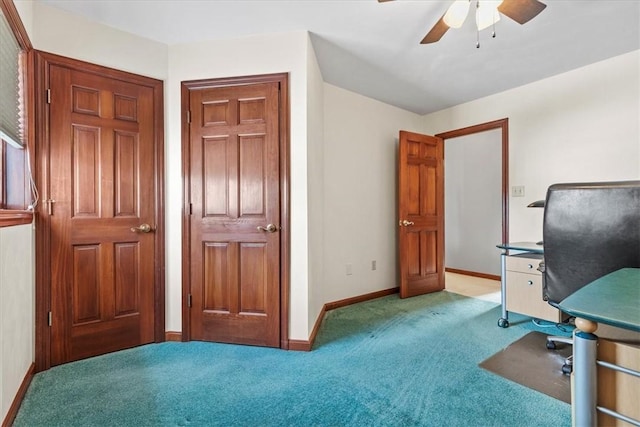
(360,162)
(62,33)
(17,311)
(583,125)
(315,173)
(473,201)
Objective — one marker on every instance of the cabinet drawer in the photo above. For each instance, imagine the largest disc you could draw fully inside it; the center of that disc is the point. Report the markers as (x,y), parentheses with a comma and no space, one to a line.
(523,265)
(524,295)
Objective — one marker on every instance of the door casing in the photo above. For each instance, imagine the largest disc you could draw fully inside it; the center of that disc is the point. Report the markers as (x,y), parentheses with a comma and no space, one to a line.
(283,80)
(40,64)
(503,125)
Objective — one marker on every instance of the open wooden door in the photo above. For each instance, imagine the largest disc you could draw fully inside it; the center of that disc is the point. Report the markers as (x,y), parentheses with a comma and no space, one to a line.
(420,214)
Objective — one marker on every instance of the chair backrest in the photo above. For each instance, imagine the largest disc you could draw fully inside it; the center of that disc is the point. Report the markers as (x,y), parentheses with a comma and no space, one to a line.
(589,230)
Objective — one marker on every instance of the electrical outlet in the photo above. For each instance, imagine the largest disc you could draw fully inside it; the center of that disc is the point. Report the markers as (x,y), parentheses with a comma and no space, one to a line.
(349,269)
(517,191)
(373,265)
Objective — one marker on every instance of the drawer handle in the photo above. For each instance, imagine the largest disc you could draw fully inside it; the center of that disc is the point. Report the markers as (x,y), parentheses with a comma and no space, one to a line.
(529,282)
(529,266)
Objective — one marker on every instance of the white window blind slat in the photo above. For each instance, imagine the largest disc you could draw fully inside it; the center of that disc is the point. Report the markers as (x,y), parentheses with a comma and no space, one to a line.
(11,115)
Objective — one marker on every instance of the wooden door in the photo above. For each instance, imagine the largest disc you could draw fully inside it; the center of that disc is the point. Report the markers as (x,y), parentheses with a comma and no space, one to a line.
(101,210)
(421,214)
(235,221)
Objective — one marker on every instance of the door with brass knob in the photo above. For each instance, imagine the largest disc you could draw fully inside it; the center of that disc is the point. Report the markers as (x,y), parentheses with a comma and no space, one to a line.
(421,209)
(142,228)
(105,158)
(234,173)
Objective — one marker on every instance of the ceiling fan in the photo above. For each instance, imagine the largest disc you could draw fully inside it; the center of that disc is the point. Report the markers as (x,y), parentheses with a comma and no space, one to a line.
(521,11)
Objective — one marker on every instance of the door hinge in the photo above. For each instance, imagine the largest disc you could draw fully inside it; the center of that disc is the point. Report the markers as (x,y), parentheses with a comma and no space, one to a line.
(49,203)
(48,96)
(50,319)
(189,300)
(190,208)
(188,116)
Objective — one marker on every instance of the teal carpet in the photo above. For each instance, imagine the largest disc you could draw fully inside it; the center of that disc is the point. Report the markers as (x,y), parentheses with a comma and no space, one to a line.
(387,362)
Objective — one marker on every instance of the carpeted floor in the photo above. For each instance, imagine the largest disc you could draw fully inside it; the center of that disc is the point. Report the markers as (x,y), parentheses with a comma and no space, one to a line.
(387,362)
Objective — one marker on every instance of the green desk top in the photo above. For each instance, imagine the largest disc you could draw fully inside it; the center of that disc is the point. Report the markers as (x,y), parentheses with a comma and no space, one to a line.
(522,246)
(613,299)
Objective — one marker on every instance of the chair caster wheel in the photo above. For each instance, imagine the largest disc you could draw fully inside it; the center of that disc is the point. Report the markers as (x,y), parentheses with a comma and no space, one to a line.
(503,323)
(567,369)
(551,345)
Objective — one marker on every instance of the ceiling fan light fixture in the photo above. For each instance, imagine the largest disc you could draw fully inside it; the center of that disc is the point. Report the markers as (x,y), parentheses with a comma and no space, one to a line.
(487,13)
(457,13)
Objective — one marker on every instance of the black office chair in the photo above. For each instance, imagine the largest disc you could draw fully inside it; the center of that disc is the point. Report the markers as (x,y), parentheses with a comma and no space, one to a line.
(589,230)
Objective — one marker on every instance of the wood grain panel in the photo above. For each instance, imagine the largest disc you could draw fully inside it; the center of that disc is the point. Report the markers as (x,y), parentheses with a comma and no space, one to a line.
(86,171)
(216,277)
(252,175)
(413,253)
(126,170)
(251,111)
(428,198)
(618,391)
(85,100)
(127,259)
(413,190)
(125,108)
(429,260)
(429,151)
(216,113)
(215,178)
(413,150)
(86,284)
(253,278)
(127,174)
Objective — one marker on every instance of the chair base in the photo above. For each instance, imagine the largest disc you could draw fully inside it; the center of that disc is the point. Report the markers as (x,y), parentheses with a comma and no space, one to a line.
(567,367)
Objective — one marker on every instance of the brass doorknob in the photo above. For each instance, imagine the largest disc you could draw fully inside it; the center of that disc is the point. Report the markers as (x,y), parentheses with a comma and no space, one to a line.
(406,223)
(271,228)
(142,228)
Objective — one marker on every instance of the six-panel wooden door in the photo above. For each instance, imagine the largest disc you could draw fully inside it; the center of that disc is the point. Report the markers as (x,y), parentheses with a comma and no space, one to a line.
(234,221)
(420,213)
(101,193)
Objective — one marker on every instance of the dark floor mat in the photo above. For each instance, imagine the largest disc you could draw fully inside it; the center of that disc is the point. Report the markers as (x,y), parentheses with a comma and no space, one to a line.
(529,363)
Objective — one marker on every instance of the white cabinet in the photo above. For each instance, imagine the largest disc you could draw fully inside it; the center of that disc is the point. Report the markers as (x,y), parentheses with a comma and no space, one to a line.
(524,287)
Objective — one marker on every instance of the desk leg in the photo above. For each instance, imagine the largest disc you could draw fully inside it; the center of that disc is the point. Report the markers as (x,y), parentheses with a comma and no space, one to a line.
(585,379)
(503,322)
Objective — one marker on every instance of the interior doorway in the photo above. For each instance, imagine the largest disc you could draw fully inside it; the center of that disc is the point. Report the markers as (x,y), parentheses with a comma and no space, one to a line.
(473,239)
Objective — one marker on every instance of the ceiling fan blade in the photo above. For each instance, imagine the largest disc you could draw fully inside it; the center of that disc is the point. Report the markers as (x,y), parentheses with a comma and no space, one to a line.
(436,32)
(521,11)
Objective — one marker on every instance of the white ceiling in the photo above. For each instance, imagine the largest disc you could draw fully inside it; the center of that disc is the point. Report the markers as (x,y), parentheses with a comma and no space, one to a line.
(373,48)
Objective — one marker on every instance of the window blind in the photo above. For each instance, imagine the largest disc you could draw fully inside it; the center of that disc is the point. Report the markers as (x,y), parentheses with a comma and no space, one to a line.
(11,111)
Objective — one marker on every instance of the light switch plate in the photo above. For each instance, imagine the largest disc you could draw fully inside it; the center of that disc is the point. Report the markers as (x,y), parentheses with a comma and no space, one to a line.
(517,191)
